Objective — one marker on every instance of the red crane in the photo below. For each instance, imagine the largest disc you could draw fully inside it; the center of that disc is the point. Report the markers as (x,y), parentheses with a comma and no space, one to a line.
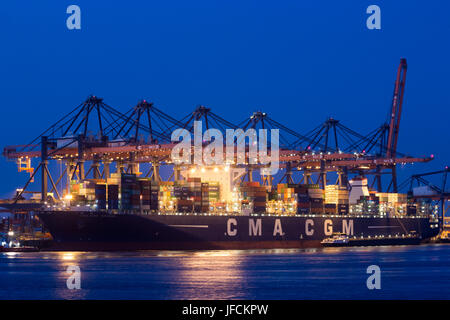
(396,110)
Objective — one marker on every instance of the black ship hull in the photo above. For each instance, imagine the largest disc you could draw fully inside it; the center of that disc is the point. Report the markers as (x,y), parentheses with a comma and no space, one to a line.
(95,231)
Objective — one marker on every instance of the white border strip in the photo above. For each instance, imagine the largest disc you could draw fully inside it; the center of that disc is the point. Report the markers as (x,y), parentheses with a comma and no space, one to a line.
(379,227)
(188,226)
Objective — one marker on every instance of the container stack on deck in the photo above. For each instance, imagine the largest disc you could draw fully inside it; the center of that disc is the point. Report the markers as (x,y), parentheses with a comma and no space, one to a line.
(385,204)
(113,196)
(411,209)
(369,205)
(317,196)
(293,198)
(192,195)
(213,193)
(145,187)
(166,197)
(87,190)
(303,201)
(130,193)
(336,199)
(154,196)
(256,194)
(181,195)
(100,196)
(204,197)
(195,193)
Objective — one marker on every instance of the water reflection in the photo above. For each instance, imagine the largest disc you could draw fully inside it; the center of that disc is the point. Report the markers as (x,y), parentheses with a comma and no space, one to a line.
(330,273)
(11,255)
(211,275)
(68,256)
(67,259)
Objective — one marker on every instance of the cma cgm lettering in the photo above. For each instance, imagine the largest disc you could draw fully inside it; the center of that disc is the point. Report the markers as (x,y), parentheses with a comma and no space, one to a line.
(255,227)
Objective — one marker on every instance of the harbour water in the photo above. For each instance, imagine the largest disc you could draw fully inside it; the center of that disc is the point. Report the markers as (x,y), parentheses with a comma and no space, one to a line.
(407,272)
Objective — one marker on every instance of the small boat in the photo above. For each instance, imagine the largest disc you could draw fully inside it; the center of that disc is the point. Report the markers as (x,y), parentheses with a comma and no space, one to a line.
(19,249)
(342,240)
(15,246)
(336,240)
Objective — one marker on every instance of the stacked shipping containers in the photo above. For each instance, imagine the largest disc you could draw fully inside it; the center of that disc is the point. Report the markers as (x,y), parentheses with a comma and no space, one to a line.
(411,209)
(100,196)
(195,192)
(204,197)
(316,198)
(145,186)
(181,194)
(149,194)
(394,203)
(295,195)
(366,205)
(113,196)
(87,189)
(166,196)
(256,194)
(213,192)
(336,199)
(195,195)
(130,192)
(154,196)
(107,195)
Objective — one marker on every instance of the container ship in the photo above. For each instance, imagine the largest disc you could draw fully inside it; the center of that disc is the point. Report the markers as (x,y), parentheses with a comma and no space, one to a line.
(113,206)
(211,208)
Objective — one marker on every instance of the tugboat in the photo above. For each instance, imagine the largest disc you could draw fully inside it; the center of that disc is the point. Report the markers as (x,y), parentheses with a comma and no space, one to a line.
(342,240)
(10,245)
(18,249)
(338,239)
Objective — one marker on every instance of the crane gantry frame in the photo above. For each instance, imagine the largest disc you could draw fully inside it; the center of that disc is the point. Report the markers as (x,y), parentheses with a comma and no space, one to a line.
(117,139)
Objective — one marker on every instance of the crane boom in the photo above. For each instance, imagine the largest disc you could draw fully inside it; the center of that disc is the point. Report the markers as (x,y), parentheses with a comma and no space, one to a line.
(396,110)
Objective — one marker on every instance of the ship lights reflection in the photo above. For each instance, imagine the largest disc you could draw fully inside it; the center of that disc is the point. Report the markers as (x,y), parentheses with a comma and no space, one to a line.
(68,256)
(211,275)
(68,259)
(11,254)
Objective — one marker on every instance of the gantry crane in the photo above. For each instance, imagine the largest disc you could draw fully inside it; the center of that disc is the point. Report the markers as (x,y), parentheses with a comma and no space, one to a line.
(438,193)
(113,136)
